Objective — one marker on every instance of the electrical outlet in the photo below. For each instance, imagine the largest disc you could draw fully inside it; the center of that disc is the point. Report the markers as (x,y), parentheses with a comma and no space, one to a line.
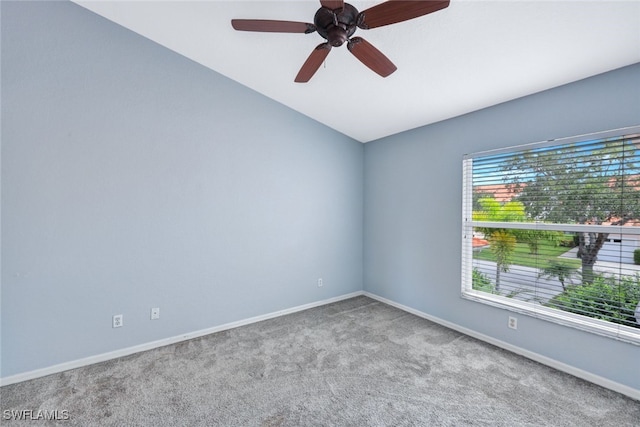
(155,313)
(320,283)
(513,322)
(118,320)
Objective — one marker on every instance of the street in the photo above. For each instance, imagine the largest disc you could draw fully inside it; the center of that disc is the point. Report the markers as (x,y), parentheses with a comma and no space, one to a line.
(523,281)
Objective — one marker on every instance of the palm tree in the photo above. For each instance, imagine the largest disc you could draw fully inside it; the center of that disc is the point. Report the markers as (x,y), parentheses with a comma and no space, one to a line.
(502,241)
(558,270)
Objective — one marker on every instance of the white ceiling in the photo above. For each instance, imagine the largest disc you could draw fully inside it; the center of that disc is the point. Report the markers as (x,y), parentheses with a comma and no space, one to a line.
(474,54)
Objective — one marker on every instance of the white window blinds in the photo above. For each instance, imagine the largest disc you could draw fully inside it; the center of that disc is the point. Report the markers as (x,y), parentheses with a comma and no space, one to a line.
(553,230)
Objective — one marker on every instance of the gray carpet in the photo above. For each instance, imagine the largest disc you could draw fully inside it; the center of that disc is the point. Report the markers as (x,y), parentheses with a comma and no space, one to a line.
(357,362)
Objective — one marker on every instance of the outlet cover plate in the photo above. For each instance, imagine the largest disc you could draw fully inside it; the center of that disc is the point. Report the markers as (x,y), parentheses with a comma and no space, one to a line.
(118,320)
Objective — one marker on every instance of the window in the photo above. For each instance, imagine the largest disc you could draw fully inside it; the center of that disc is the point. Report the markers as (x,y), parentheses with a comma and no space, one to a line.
(552,230)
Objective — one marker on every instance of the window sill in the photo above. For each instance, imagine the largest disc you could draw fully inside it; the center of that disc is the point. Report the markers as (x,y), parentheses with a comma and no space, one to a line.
(595,326)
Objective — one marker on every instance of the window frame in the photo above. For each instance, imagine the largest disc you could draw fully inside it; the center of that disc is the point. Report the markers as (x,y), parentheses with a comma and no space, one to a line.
(584,323)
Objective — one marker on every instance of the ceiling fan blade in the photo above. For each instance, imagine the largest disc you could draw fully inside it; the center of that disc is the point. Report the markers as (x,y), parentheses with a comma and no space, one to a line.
(270,26)
(370,56)
(313,62)
(332,4)
(394,11)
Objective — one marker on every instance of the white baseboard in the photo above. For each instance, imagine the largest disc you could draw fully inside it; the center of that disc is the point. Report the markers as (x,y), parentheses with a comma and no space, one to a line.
(576,372)
(37,373)
(596,379)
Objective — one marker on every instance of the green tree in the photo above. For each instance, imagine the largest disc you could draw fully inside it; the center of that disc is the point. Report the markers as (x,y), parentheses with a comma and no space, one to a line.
(579,184)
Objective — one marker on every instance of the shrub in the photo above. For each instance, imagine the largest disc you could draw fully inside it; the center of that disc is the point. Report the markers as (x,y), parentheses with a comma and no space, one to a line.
(481,282)
(602,299)
(568,242)
(576,240)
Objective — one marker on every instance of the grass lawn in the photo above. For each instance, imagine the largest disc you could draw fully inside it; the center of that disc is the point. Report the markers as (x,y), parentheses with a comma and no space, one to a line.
(521,256)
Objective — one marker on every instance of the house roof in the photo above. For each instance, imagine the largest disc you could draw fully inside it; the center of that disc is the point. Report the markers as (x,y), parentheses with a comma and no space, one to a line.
(501,192)
(479,243)
(617,221)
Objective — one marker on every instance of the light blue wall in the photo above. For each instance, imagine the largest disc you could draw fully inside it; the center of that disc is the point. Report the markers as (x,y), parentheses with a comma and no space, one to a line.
(413,205)
(134,178)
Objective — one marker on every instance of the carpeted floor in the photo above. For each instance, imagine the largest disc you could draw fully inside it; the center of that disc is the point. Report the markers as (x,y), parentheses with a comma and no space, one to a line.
(357,362)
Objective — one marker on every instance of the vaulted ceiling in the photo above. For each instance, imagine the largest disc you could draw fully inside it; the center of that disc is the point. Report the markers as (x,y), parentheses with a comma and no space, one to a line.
(471,55)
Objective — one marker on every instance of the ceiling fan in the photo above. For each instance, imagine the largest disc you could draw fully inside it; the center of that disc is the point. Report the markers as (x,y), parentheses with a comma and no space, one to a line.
(336,21)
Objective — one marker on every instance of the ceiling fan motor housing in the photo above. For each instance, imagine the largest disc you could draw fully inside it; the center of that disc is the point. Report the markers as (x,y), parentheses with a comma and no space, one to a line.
(336,25)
